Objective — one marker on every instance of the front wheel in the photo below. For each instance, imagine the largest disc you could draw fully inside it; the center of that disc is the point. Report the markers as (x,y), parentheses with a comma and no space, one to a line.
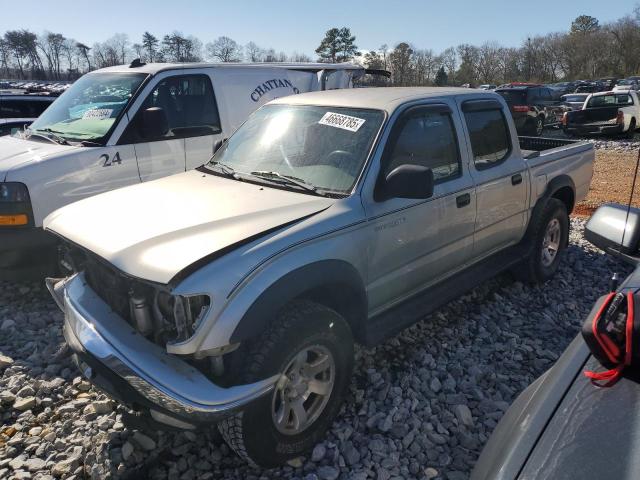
(549,237)
(311,346)
(632,129)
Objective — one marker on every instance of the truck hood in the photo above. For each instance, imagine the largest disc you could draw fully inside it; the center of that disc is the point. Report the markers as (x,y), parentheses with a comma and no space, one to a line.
(154,230)
(16,151)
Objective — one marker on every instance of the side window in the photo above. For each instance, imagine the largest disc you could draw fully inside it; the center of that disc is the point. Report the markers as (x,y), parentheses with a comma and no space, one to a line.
(427,138)
(190,106)
(490,139)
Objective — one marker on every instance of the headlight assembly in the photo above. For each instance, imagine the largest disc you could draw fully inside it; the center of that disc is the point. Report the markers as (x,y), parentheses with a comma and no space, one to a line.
(186,313)
(15,206)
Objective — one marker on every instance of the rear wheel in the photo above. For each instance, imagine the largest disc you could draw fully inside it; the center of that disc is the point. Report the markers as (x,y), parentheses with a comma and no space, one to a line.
(549,237)
(311,346)
(632,129)
(539,126)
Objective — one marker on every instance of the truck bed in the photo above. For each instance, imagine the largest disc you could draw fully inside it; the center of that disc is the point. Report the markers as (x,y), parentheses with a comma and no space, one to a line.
(533,147)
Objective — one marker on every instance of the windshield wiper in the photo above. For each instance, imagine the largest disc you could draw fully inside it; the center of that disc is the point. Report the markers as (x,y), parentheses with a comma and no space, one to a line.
(51,135)
(227,170)
(287,179)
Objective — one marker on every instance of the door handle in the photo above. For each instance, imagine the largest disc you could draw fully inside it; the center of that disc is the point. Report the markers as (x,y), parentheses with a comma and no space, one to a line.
(463,200)
(516,179)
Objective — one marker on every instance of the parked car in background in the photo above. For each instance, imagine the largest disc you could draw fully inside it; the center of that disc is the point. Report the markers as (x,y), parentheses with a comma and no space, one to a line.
(128,124)
(246,312)
(11,126)
(609,113)
(609,82)
(23,107)
(487,86)
(627,84)
(562,88)
(574,101)
(589,87)
(532,107)
(562,426)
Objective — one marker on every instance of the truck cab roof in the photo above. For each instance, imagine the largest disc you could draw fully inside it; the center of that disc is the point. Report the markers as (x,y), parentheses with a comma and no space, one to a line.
(383,98)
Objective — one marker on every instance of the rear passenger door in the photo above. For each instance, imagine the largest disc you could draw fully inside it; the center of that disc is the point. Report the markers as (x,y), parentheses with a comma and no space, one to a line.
(500,175)
(417,242)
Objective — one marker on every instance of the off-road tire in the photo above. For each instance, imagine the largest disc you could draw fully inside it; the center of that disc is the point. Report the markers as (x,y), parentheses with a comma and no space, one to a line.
(632,129)
(532,269)
(252,433)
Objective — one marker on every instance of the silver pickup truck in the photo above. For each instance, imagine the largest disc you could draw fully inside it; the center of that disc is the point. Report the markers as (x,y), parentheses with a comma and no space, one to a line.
(233,294)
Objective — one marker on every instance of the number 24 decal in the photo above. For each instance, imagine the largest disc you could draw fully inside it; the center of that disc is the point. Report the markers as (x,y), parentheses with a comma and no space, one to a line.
(107,161)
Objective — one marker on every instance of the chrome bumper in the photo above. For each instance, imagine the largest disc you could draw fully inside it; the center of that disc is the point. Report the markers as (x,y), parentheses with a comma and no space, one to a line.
(138,372)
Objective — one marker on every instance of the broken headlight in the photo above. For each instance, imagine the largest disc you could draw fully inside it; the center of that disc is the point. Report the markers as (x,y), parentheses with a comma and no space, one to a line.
(181,314)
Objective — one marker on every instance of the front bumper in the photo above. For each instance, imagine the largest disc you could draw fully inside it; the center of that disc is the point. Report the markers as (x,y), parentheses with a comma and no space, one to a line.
(139,373)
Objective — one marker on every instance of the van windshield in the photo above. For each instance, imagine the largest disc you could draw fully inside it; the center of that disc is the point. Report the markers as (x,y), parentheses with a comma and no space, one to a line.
(321,148)
(89,108)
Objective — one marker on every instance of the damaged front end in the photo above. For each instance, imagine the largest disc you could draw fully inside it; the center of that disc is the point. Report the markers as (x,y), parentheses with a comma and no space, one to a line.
(119,329)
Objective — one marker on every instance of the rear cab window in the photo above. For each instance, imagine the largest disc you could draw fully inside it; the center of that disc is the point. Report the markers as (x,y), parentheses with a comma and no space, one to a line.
(488,132)
(611,100)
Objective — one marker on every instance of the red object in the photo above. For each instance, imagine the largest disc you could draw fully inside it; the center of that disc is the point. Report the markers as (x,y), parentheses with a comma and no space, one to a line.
(565,119)
(611,350)
(520,108)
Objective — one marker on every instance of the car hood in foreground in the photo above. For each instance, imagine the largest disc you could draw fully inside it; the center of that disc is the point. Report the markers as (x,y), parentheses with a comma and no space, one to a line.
(156,229)
(16,151)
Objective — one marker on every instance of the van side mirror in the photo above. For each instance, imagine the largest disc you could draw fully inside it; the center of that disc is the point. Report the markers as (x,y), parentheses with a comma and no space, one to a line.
(408,181)
(610,230)
(218,144)
(154,123)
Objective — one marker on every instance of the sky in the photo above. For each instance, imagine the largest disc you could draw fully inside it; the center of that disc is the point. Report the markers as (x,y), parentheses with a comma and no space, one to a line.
(298,26)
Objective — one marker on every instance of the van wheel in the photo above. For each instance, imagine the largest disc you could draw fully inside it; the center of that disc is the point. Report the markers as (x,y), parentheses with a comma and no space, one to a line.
(549,237)
(311,346)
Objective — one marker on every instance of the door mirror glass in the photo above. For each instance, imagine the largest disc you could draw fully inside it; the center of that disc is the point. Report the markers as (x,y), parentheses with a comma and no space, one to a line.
(154,123)
(409,181)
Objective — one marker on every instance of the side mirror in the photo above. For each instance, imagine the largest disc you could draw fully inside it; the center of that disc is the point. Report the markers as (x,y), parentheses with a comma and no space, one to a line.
(218,144)
(408,181)
(611,230)
(154,123)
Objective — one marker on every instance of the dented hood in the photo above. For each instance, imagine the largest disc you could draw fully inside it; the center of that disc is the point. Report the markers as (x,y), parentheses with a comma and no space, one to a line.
(15,151)
(154,230)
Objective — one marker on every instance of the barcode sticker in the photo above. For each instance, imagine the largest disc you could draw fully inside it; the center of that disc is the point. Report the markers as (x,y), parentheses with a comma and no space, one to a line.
(98,113)
(344,122)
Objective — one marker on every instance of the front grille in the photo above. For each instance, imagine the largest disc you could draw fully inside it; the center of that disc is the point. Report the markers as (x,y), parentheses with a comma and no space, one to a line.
(110,285)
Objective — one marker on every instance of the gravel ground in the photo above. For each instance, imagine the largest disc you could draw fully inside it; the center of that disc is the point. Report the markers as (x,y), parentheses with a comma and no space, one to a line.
(421,405)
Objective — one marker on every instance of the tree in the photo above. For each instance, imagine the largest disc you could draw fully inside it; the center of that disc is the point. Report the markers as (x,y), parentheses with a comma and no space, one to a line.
(373,60)
(441,77)
(584,24)
(224,49)
(84,52)
(178,48)
(400,60)
(150,45)
(253,52)
(338,45)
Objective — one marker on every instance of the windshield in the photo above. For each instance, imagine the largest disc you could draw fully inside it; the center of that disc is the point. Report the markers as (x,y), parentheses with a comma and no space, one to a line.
(612,100)
(89,108)
(625,82)
(324,147)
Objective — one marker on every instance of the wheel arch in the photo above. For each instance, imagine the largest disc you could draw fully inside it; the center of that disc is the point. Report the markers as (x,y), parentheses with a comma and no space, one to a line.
(334,283)
(561,188)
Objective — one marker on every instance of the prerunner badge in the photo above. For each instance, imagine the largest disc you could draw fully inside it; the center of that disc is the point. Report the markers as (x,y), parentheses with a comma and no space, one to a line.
(342,121)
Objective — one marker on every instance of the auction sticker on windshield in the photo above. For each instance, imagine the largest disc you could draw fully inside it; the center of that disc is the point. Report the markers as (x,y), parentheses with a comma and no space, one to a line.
(98,113)
(345,122)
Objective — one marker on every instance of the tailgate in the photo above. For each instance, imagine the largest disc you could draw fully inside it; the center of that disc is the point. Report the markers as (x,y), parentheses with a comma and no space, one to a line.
(593,116)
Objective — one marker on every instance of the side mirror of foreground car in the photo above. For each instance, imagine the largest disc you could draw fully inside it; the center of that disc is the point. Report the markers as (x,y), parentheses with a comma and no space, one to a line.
(154,122)
(409,181)
(610,230)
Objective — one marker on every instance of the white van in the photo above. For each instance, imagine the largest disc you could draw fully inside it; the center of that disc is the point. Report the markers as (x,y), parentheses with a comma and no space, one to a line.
(121,125)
